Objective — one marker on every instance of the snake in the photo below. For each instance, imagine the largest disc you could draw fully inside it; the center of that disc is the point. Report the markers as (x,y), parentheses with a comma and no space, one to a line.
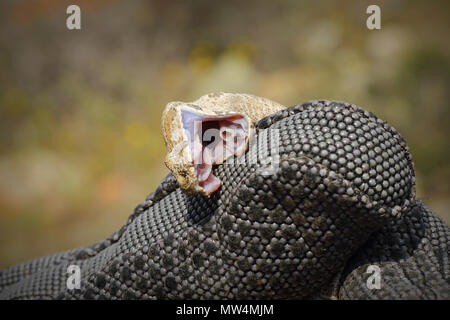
(339,203)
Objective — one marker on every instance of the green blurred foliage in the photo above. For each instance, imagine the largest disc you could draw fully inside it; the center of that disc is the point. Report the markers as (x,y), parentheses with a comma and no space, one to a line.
(80,110)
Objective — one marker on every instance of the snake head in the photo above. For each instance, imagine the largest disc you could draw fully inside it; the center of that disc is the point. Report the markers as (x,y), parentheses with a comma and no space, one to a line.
(198,138)
(207,132)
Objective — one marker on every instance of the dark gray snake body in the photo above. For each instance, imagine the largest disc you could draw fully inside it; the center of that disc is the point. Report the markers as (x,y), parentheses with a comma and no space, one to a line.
(342,199)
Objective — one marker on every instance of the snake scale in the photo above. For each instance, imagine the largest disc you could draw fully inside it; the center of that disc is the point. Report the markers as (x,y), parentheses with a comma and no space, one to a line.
(340,198)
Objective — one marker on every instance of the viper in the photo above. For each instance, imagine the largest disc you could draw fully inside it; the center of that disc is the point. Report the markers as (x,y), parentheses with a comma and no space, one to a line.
(336,201)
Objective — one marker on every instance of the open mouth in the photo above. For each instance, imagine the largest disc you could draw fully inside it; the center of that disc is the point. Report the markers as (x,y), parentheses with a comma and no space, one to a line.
(212,140)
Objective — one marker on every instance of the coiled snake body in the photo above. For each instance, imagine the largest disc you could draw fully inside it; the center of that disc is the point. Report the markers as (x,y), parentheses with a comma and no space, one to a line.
(341,199)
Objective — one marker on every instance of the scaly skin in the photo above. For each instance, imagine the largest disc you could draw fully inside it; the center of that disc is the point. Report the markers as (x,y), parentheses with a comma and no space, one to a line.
(342,197)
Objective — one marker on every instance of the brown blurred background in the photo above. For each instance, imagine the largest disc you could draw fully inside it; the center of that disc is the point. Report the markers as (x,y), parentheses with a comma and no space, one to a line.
(80,110)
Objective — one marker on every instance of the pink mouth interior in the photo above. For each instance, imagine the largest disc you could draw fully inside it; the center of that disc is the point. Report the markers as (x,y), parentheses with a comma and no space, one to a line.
(212,139)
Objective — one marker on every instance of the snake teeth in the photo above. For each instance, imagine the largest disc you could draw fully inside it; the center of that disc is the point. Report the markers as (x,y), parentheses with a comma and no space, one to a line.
(208,131)
(212,140)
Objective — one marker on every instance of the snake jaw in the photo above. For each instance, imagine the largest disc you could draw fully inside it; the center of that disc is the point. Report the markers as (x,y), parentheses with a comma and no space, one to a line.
(198,139)
(207,132)
(212,139)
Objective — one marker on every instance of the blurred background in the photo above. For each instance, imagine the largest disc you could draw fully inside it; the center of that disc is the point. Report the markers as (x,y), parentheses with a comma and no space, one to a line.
(80,110)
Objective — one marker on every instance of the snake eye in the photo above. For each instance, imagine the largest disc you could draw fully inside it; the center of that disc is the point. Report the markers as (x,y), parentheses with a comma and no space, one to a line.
(212,140)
